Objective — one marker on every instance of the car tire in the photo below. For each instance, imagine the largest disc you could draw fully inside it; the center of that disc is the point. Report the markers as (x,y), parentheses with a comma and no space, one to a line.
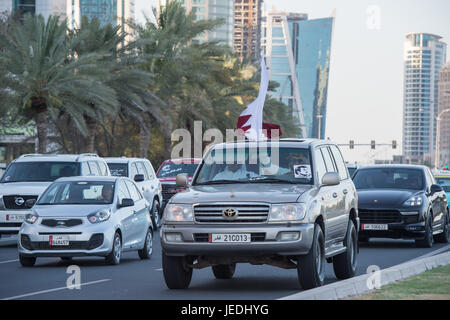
(27,261)
(146,252)
(155,214)
(224,271)
(177,274)
(344,264)
(445,234)
(113,258)
(311,267)
(427,241)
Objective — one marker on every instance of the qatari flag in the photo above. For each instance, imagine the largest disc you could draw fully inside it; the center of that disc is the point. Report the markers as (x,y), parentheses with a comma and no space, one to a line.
(250,120)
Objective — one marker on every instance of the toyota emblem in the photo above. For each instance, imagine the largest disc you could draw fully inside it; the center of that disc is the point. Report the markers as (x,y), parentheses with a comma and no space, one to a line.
(230,213)
(19,201)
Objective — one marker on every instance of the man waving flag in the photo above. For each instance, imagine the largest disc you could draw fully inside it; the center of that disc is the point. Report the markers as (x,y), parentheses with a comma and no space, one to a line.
(250,120)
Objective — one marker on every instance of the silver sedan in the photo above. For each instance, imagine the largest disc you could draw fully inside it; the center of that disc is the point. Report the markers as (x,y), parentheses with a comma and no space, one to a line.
(87,216)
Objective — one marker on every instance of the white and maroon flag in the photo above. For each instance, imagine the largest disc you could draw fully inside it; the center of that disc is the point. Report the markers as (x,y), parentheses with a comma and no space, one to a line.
(251,119)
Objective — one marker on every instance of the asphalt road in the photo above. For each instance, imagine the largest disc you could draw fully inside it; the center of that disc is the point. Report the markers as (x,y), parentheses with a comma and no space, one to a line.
(138,279)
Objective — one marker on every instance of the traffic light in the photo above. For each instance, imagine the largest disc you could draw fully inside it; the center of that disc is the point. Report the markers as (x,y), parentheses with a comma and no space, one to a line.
(372,144)
(394,144)
(352,144)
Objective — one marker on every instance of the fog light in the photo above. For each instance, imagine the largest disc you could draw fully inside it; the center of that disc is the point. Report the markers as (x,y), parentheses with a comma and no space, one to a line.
(173,237)
(289,236)
(409,213)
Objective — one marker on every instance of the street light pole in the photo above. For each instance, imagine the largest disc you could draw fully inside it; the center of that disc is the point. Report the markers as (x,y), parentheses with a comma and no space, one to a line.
(438,137)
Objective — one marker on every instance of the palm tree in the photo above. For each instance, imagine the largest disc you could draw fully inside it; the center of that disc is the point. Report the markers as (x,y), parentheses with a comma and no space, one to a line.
(131,84)
(42,70)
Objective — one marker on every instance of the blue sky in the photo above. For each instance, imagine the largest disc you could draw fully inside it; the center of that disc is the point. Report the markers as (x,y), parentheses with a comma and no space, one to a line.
(365,94)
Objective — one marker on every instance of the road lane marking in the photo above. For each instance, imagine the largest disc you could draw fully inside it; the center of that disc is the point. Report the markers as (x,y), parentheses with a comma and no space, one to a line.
(53,290)
(160,269)
(8,261)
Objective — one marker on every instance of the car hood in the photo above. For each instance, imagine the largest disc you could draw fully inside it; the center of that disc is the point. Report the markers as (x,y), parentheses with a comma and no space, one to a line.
(68,210)
(384,198)
(261,192)
(23,188)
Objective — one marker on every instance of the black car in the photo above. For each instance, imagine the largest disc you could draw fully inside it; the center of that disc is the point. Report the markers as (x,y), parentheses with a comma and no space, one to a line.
(401,201)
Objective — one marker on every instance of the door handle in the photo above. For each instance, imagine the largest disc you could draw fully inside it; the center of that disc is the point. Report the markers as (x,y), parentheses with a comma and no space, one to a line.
(345,191)
(335,195)
(134,211)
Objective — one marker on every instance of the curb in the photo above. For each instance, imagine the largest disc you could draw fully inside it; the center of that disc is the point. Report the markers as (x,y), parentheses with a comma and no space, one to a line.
(359,285)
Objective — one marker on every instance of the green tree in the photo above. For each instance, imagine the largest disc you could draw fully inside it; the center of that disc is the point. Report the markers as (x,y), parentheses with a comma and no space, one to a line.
(42,71)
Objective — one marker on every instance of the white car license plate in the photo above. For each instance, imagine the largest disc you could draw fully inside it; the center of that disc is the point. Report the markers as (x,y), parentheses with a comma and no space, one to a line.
(56,240)
(230,237)
(15,217)
(374,227)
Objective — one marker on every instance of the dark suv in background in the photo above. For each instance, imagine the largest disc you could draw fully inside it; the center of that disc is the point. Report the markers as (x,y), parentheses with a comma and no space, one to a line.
(168,171)
(401,201)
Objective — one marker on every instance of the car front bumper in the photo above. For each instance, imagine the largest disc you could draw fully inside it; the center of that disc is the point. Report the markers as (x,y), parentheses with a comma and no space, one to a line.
(269,244)
(397,231)
(84,240)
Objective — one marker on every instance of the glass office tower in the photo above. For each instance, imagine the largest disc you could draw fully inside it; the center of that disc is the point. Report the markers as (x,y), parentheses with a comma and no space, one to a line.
(297,54)
(424,55)
(104,10)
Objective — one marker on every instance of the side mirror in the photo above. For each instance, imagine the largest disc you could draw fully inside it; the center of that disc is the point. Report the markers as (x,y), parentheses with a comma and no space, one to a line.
(126,203)
(182,180)
(436,188)
(139,178)
(30,203)
(331,179)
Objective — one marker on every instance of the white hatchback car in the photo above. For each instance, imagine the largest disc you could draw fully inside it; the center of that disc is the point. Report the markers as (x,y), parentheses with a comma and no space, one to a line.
(87,216)
(141,171)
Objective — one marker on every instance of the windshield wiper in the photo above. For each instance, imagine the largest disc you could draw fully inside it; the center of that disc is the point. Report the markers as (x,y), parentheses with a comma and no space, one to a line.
(220,182)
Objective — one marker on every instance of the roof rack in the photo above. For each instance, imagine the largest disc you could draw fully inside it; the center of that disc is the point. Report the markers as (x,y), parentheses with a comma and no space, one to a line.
(86,155)
(30,155)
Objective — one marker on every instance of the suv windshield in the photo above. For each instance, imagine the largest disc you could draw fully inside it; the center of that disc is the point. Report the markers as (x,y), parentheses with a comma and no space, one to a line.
(118,169)
(40,171)
(171,169)
(253,165)
(444,183)
(78,192)
(389,178)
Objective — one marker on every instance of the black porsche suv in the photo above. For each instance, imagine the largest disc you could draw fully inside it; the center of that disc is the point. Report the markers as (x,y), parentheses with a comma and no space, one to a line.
(401,201)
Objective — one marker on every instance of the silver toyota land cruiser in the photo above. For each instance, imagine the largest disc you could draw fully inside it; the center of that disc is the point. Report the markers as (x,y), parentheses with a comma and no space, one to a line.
(288,203)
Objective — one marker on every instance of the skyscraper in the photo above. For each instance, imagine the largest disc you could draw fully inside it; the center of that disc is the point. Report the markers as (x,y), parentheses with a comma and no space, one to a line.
(443,136)
(211,9)
(43,7)
(424,55)
(116,12)
(297,52)
(247,28)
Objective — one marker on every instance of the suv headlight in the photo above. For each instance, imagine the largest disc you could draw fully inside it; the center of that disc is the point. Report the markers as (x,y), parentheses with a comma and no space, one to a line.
(287,212)
(178,213)
(99,216)
(31,218)
(415,201)
(2,204)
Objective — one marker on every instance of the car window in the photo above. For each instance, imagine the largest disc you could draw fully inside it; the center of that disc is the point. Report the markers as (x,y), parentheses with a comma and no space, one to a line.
(320,165)
(149,167)
(103,168)
(122,191)
(342,168)
(328,161)
(389,178)
(78,192)
(94,168)
(133,170)
(134,192)
(40,171)
(141,169)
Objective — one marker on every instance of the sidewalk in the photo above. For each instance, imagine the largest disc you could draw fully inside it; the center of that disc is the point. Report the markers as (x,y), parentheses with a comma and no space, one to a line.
(368,282)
